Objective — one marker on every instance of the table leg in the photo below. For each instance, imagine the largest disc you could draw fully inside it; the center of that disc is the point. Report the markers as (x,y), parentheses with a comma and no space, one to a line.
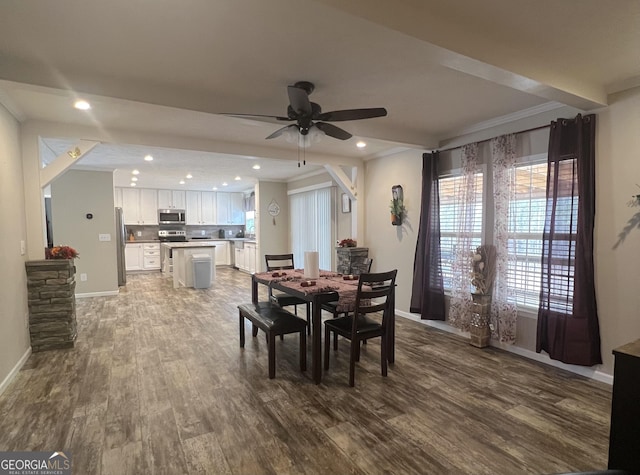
(254,289)
(316,340)
(391,328)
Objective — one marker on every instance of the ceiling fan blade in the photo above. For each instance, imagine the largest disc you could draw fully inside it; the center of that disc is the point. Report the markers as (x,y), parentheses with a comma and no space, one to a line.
(333,131)
(299,100)
(353,114)
(280,131)
(248,116)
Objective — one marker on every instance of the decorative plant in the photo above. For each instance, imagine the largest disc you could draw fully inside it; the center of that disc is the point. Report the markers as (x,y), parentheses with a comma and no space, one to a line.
(483,263)
(348,242)
(398,211)
(61,252)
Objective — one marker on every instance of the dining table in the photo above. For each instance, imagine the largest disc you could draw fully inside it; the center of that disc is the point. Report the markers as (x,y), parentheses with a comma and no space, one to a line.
(327,287)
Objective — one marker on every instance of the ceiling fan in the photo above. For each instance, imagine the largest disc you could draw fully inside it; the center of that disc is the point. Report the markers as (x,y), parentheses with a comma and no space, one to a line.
(308,115)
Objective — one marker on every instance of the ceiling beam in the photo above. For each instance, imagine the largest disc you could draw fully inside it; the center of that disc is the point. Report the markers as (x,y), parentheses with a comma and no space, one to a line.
(65,161)
(344,182)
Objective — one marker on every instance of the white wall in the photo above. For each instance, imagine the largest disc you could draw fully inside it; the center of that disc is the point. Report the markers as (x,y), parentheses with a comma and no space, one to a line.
(617,271)
(272,233)
(14,333)
(73,195)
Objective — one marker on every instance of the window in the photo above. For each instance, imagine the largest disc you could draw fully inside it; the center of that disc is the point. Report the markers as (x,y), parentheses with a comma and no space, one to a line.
(451,188)
(311,225)
(526,223)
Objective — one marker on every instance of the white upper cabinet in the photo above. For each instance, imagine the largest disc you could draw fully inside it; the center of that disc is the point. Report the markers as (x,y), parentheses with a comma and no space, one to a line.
(140,206)
(230,207)
(201,207)
(171,199)
(208,207)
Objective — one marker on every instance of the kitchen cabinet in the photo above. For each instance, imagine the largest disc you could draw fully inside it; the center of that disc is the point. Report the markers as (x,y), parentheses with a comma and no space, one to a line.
(246,258)
(171,199)
(151,256)
(250,257)
(230,208)
(133,257)
(223,253)
(142,256)
(201,207)
(140,206)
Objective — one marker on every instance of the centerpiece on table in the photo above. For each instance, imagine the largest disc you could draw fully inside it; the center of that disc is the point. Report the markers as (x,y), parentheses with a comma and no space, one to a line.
(61,252)
(483,261)
(348,242)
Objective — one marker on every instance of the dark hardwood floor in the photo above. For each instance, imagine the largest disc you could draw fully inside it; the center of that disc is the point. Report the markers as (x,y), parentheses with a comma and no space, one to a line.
(157,384)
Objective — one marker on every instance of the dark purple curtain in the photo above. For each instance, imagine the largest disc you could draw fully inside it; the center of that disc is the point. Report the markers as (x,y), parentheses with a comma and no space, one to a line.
(427,293)
(568,318)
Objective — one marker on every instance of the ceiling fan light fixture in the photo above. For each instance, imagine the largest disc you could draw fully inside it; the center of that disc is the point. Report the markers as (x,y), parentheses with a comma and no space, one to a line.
(304,141)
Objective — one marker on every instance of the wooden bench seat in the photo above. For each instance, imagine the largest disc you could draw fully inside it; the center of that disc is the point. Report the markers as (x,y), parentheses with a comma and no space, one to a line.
(274,321)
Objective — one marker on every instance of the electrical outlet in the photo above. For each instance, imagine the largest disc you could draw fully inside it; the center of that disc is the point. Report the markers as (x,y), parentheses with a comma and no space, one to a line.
(83,277)
(139,233)
(104,237)
(202,232)
(23,247)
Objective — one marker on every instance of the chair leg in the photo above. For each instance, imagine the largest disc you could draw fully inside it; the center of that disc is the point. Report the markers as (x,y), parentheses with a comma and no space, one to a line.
(303,351)
(383,355)
(355,344)
(335,342)
(254,330)
(327,338)
(358,351)
(271,351)
(308,318)
(241,318)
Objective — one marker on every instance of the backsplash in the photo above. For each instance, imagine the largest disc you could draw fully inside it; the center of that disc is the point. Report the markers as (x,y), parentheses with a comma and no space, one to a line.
(149,233)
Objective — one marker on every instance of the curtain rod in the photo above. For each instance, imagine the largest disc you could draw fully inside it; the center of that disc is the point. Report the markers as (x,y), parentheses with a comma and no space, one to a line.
(486,140)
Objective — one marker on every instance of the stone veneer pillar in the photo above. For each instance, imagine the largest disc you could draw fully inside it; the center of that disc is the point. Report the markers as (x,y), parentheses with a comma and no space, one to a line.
(52,303)
(351,260)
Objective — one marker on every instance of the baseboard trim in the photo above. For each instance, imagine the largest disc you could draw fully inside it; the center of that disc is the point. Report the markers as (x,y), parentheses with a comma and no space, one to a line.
(106,293)
(532,355)
(14,371)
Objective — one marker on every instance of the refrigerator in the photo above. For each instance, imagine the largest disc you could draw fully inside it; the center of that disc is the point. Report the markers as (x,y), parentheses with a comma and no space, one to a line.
(120,244)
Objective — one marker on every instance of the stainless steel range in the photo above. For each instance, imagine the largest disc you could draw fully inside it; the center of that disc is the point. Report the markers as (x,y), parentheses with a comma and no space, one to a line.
(172,235)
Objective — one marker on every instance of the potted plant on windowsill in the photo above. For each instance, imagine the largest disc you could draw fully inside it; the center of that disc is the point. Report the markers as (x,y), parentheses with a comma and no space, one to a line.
(397,211)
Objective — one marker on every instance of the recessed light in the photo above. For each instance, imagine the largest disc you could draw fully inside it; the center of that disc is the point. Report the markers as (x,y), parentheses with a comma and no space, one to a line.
(134,178)
(135,172)
(148,158)
(361,144)
(256,167)
(133,184)
(237,178)
(225,184)
(182,182)
(215,188)
(189,176)
(82,105)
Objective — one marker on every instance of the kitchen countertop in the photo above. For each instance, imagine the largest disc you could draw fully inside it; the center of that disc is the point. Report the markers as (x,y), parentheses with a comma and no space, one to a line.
(202,243)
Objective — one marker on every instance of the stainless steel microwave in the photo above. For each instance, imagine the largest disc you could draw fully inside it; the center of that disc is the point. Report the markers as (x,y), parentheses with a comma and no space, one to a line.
(171,216)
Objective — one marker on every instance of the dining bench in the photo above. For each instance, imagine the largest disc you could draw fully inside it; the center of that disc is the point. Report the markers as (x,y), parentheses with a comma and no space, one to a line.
(274,321)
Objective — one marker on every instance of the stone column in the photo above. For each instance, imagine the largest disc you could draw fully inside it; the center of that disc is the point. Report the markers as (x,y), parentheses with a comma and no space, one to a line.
(351,259)
(52,303)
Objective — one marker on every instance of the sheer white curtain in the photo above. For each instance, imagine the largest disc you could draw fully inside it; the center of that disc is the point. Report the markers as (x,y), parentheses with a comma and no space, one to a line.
(311,224)
(503,307)
(460,304)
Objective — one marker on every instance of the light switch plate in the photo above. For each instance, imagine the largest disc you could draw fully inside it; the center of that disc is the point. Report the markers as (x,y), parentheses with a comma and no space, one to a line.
(23,247)
(104,237)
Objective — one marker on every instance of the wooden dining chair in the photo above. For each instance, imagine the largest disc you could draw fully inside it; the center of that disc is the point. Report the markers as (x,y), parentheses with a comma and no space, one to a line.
(278,262)
(332,307)
(370,319)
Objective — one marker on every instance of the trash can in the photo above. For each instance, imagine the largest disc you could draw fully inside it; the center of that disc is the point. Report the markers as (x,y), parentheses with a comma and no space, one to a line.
(201,264)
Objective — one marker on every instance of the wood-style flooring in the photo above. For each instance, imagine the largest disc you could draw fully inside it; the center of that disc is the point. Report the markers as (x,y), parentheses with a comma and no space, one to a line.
(157,384)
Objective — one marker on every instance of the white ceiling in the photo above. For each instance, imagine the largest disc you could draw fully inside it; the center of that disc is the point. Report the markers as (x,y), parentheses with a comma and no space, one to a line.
(167,70)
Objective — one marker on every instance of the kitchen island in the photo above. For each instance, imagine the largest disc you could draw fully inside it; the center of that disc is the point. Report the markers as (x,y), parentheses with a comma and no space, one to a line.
(181,254)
